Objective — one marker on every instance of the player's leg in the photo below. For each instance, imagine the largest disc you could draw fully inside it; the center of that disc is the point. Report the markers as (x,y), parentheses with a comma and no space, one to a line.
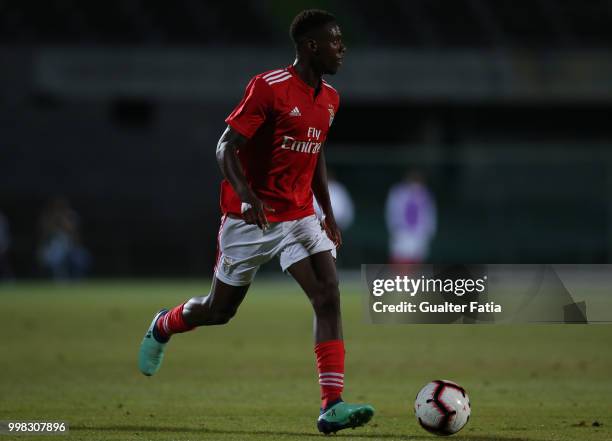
(317,276)
(217,308)
(233,276)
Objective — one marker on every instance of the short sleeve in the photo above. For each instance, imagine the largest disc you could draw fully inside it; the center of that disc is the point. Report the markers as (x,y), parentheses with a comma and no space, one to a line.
(253,109)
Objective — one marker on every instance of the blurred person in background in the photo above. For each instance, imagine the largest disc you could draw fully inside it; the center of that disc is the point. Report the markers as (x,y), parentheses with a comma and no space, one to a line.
(341,200)
(5,245)
(411,219)
(61,253)
(272,160)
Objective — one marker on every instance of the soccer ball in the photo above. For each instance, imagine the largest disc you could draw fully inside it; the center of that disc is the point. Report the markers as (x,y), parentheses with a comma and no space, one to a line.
(442,407)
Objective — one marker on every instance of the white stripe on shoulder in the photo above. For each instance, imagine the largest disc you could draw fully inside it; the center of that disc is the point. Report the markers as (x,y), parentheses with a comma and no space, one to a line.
(280,80)
(277,76)
(329,85)
(274,72)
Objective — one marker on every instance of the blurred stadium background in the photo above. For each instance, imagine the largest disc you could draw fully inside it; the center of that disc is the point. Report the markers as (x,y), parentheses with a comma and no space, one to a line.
(118,105)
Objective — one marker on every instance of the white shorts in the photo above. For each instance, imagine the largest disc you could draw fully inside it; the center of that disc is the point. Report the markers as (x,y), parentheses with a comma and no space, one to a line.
(243,247)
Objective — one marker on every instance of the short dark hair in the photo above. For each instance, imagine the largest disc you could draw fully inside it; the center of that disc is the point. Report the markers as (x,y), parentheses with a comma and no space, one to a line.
(309,20)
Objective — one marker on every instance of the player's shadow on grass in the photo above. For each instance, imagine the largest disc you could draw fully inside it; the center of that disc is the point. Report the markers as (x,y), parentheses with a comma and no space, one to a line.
(199,430)
(350,434)
(344,434)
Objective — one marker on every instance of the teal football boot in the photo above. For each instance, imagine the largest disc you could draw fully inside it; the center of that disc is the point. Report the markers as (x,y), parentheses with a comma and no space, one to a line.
(151,350)
(342,416)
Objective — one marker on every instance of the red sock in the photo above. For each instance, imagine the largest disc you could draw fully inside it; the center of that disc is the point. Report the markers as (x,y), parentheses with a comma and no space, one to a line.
(172,323)
(330,362)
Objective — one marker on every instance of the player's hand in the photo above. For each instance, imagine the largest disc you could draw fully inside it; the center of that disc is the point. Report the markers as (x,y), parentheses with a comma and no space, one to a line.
(332,230)
(256,214)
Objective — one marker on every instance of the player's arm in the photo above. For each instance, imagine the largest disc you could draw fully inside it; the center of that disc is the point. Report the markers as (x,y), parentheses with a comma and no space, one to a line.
(321,192)
(231,168)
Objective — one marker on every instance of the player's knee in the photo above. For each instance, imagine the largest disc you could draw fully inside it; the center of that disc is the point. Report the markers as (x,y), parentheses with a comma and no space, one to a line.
(330,288)
(195,309)
(327,299)
(202,313)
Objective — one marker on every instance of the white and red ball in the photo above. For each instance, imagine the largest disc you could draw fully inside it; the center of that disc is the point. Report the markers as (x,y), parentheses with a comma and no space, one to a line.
(442,407)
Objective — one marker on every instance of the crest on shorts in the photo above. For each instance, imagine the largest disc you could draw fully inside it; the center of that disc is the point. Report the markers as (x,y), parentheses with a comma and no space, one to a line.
(227,264)
(331,114)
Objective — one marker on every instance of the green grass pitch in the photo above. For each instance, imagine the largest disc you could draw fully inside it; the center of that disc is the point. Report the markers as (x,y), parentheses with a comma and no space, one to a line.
(68,352)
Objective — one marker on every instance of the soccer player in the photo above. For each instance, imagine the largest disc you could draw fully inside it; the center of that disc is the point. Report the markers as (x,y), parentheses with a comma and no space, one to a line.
(272,159)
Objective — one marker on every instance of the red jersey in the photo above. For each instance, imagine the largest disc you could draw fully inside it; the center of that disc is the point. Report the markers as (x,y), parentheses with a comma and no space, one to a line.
(286,126)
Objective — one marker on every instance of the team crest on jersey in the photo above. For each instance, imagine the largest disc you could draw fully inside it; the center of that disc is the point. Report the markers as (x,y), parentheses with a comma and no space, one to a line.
(331,114)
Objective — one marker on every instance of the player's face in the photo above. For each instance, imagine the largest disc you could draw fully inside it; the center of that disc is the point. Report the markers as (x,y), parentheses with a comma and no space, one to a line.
(331,49)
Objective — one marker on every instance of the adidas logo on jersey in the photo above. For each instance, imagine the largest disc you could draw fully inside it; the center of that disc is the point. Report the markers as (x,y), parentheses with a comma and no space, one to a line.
(295,112)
